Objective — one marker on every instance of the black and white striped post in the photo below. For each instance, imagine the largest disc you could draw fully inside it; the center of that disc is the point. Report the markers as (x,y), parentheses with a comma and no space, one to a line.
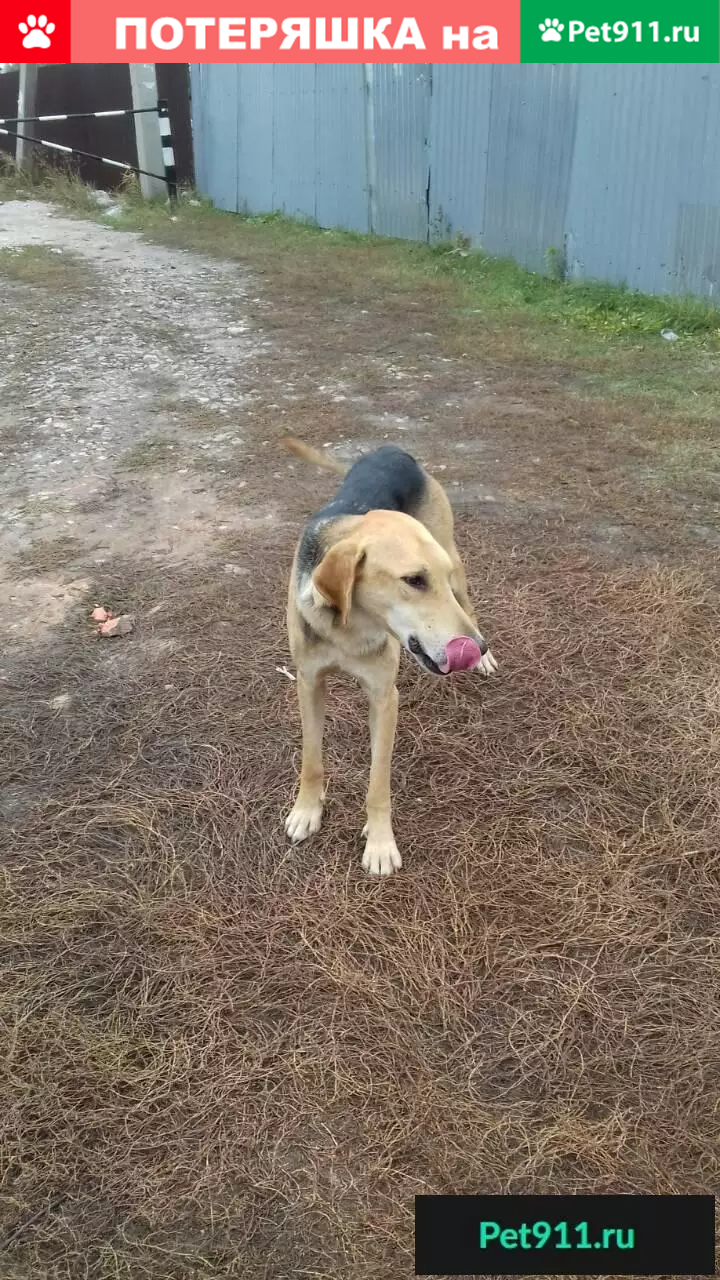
(169,177)
(168,151)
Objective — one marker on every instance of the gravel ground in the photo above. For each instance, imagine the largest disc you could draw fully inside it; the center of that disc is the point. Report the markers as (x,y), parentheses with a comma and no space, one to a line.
(150,354)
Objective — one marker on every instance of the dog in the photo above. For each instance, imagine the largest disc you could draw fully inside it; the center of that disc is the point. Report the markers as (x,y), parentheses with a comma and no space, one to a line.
(375,571)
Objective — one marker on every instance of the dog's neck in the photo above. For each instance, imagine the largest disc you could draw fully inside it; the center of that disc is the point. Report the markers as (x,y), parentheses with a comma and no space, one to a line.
(361,634)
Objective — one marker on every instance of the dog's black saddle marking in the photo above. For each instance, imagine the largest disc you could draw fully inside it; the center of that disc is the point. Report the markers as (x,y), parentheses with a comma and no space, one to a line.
(386,480)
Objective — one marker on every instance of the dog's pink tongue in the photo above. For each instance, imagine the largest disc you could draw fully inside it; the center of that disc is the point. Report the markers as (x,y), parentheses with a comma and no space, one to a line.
(461,653)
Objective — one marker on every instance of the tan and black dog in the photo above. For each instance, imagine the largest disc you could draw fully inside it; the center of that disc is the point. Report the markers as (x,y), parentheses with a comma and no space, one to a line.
(376,570)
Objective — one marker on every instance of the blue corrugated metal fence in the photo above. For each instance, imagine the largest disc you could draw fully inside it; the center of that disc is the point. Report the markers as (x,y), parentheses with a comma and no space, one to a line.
(616,169)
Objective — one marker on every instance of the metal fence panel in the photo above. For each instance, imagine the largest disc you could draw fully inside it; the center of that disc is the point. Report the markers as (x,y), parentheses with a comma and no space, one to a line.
(459,133)
(530,148)
(400,163)
(615,167)
(215,121)
(647,153)
(255,126)
(64,88)
(340,147)
(294,140)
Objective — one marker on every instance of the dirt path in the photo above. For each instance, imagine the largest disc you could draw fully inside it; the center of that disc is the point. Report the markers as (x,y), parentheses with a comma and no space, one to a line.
(127,379)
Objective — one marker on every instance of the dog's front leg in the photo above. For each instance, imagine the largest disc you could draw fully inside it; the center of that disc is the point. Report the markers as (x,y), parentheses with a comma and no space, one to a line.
(381,856)
(306,815)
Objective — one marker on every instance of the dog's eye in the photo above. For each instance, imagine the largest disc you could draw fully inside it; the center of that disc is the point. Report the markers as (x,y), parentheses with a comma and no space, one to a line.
(417,580)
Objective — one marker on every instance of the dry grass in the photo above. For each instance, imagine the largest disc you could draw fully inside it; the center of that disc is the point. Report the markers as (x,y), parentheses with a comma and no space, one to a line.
(229,1058)
(47,268)
(47,555)
(149,453)
(232,1058)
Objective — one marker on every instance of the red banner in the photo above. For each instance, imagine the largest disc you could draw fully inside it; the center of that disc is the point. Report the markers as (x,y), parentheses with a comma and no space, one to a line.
(124,31)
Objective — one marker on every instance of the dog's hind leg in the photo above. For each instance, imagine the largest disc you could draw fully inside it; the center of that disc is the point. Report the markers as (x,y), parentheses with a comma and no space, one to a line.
(306,815)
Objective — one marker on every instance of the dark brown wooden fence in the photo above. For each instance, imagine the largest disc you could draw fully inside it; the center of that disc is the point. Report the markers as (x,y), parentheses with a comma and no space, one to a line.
(102,86)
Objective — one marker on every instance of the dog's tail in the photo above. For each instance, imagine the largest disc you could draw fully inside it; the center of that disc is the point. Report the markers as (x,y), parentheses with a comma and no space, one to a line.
(308,454)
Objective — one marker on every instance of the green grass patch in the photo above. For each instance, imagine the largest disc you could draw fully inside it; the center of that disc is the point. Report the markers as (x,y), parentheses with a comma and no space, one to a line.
(38,264)
(496,285)
(606,339)
(602,308)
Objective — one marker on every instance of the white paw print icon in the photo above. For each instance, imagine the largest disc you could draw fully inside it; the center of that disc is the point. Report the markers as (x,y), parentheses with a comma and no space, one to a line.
(37,31)
(551,29)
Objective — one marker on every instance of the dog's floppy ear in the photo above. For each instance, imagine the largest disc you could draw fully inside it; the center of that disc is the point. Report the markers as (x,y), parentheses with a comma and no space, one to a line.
(335,576)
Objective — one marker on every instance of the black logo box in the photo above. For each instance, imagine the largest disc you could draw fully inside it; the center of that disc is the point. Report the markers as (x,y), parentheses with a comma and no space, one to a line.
(659,1235)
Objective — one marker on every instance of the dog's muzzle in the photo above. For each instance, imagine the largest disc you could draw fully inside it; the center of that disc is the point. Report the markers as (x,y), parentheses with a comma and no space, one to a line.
(417,650)
(462,653)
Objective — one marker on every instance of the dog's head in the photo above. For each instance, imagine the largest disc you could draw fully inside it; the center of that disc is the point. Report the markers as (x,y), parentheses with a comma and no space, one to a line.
(389,568)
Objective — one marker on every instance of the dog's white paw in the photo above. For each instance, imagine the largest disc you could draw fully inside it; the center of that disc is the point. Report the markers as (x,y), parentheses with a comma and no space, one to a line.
(381,856)
(303,820)
(487,665)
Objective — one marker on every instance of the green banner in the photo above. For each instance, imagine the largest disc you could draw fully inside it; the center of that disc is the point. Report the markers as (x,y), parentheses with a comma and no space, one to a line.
(620,31)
